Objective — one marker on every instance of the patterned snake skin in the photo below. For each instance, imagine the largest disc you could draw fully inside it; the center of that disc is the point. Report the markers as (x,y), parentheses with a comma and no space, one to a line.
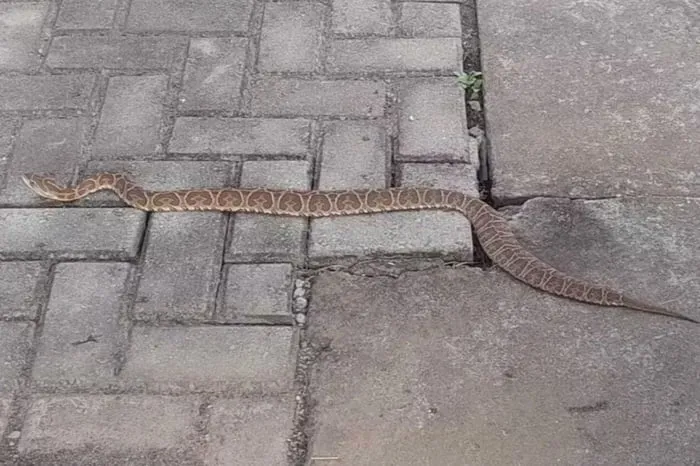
(493,231)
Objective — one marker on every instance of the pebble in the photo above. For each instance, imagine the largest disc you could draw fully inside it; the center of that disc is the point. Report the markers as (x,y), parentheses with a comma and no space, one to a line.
(299,292)
(300,318)
(300,303)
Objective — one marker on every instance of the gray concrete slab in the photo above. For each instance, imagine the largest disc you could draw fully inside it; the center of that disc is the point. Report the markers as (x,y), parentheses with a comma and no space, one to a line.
(591,99)
(462,366)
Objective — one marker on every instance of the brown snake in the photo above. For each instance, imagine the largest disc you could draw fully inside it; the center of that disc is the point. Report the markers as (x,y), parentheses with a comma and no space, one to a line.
(495,236)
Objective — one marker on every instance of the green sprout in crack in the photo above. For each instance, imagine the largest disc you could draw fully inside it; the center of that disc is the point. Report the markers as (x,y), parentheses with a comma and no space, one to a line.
(471,83)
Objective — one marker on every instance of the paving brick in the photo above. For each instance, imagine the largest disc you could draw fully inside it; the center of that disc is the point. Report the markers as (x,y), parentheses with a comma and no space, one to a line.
(70,233)
(84,328)
(19,35)
(432,122)
(129,126)
(354,155)
(264,238)
(430,20)
(291,36)
(27,93)
(15,342)
(457,176)
(249,432)
(86,14)
(357,17)
(280,96)
(181,270)
(241,136)
(165,175)
(444,234)
(95,52)
(185,16)
(213,74)
(43,146)
(109,423)
(257,293)
(21,288)
(211,358)
(379,54)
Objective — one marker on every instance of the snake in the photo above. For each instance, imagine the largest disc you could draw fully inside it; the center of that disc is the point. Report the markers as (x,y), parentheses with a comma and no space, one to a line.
(494,234)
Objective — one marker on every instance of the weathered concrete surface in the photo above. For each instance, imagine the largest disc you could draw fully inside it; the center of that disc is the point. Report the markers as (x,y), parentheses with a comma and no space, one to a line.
(462,366)
(591,99)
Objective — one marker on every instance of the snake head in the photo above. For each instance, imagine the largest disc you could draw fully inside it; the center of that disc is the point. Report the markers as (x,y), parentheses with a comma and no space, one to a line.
(43,185)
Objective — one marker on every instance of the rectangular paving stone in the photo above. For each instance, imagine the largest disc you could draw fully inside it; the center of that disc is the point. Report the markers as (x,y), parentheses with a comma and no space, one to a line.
(456,176)
(15,342)
(131,116)
(291,36)
(432,122)
(109,423)
(131,52)
(21,290)
(69,92)
(249,432)
(443,234)
(266,238)
(43,146)
(390,54)
(86,14)
(213,74)
(164,175)
(359,17)
(76,233)
(180,273)
(84,328)
(185,16)
(20,35)
(287,96)
(241,136)
(354,155)
(551,136)
(257,293)
(430,20)
(211,358)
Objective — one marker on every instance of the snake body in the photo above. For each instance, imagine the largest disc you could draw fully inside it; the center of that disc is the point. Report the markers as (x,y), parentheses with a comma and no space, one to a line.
(495,236)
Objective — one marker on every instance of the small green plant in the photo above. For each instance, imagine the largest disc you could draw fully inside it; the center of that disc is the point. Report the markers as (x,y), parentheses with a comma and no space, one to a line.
(471,83)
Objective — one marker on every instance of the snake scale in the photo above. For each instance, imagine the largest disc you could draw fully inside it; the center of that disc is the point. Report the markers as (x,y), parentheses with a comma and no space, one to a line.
(495,236)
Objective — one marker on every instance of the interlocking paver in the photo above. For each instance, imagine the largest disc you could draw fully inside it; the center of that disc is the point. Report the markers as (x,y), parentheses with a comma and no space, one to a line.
(213,74)
(130,52)
(45,92)
(291,36)
(15,342)
(182,15)
(263,238)
(129,126)
(241,136)
(19,35)
(359,17)
(380,54)
(288,96)
(43,146)
(211,358)
(20,288)
(111,424)
(457,176)
(257,293)
(249,432)
(354,155)
(430,20)
(84,328)
(70,233)
(86,14)
(181,286)
(432,122)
